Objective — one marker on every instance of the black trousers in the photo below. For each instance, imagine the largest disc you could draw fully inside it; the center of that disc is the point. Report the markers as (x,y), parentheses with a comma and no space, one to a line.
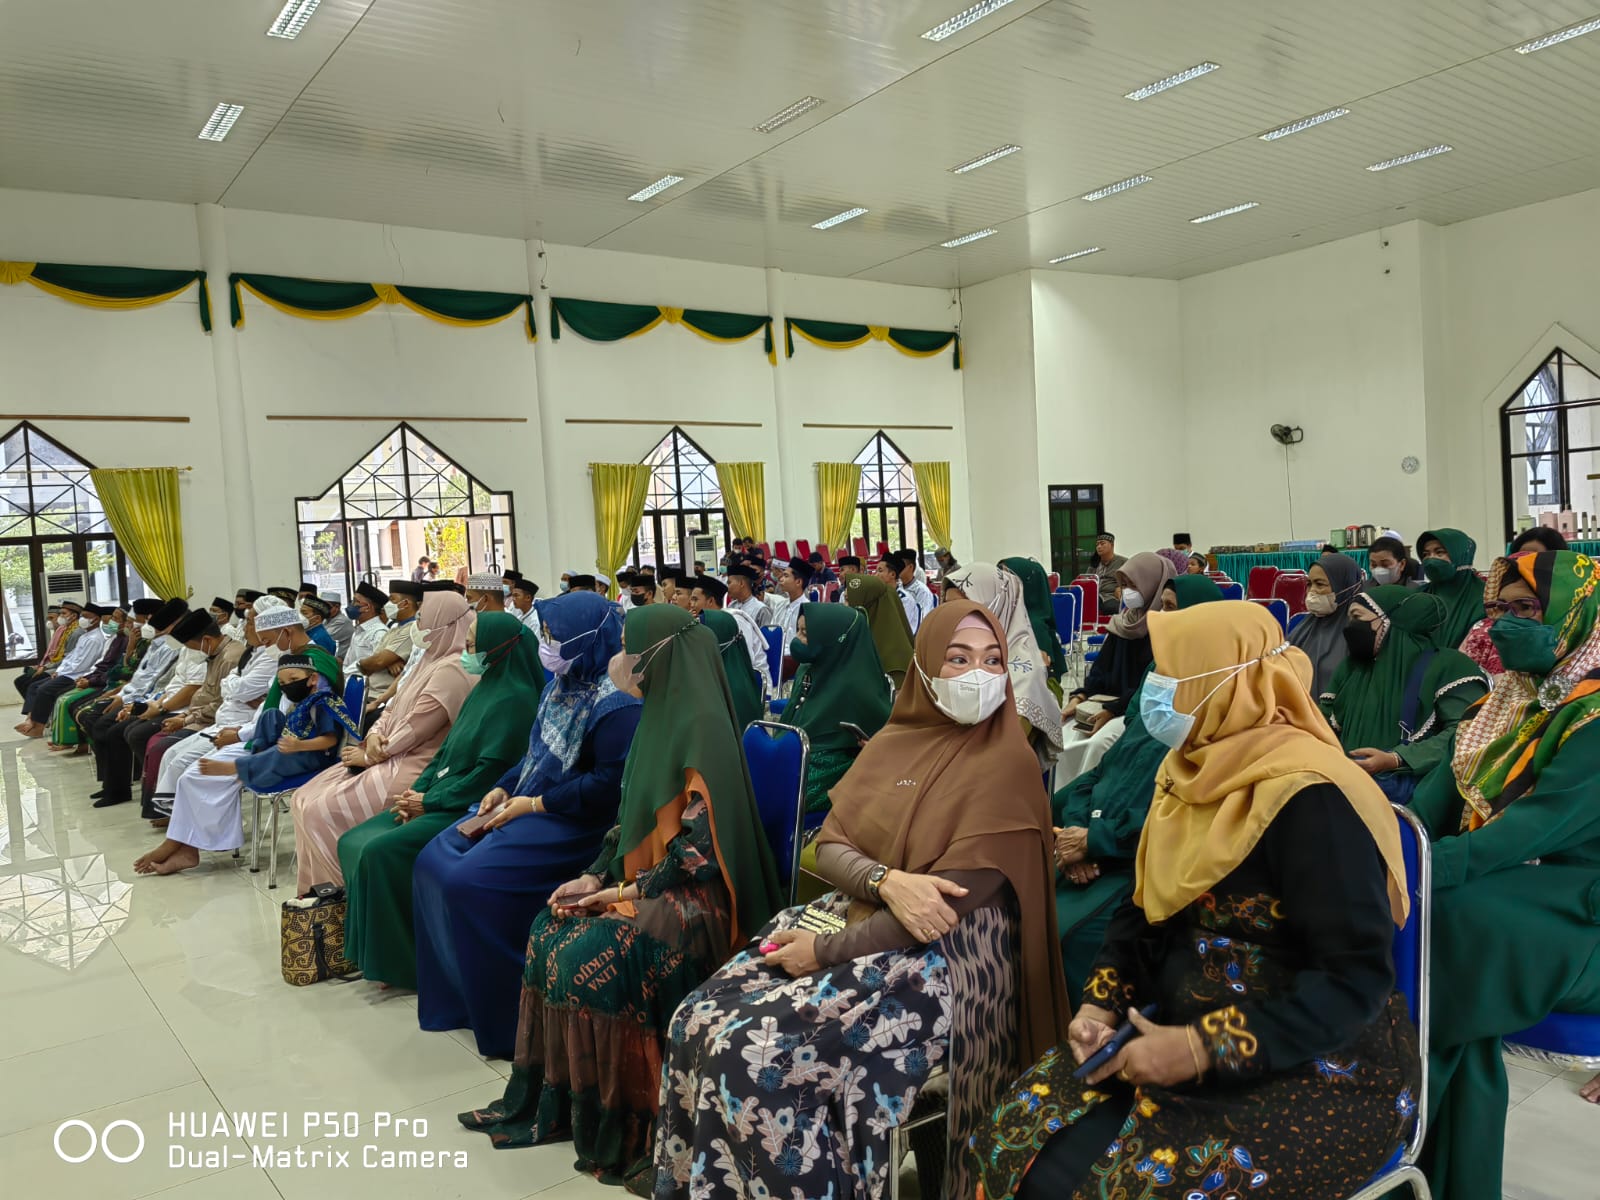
(119,753)
(23,679)
(40,702)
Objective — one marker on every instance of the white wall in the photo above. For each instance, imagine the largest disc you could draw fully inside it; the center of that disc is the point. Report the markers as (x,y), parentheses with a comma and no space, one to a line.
(1002,416)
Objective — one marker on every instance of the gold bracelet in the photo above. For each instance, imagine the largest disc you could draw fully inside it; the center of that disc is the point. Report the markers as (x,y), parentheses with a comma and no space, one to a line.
(1194,1052)
(620,886)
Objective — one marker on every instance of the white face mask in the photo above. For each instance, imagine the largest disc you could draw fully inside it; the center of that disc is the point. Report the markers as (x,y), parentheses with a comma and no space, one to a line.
(391,611)
(550,656)
(1321,604)
(147,633)
(1132,598)
(1385,574)
(971,697)
(85,623)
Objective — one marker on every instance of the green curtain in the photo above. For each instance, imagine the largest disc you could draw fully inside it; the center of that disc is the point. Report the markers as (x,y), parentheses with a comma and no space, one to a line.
(141,504)
(619,492)
(836,335)
(838,492)
(933,492)
(603,321)
(744,492)
(109,287)
(328,300)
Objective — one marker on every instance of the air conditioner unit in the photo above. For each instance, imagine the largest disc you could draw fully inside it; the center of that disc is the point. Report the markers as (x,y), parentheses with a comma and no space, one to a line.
(705,549)
(60,586)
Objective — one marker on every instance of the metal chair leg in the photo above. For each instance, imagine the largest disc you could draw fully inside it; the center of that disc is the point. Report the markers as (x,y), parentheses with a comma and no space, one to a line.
(255,833)
(272,871)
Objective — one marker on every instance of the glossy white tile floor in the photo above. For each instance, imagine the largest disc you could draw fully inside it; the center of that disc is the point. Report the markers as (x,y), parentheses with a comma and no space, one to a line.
(131,998)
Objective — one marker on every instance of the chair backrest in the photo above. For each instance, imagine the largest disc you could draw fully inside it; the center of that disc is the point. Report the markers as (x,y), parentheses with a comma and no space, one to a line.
(1261,581)
(1413,951)
(1277,608)
(1090,586)
(355,695)
(1065,604)
(1055,580)
(833,592)
(1291,589)
(827,554)
(783,551)
(859,546)
(777,756)
(774,637)
(1231,590)
(802,548)
(1295,621)
(883,549)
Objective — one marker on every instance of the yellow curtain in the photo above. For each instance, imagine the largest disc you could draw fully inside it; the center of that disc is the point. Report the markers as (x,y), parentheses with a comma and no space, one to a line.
(744,492)
(141,504)
(838,491)
(933,493)
(619,492)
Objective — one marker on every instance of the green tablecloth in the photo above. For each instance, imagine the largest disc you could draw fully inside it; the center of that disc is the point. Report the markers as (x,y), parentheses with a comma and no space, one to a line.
(1237,566)
(1592,549)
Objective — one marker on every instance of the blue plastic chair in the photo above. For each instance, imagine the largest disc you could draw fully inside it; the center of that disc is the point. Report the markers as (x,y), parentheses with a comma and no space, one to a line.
(1294,621)
(1570,1041)
(355,695)
(1231,590)
(1412,953)
(774,637)
(1279,610)
(777,756)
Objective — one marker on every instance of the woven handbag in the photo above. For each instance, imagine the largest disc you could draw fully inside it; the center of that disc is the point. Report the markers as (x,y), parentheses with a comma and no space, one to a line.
(313,940)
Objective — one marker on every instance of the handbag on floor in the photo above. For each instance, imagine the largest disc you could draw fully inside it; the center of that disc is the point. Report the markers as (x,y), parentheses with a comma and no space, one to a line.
(312,934)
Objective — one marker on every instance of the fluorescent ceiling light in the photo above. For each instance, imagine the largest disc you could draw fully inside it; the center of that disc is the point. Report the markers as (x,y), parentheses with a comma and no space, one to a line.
(658,186)
(1075,254)
(1300,126)
(1224,212)
(1112,189)
(1172,81)
(1555,39)
(784,115)
(292,19)
(1414,156)
(964,18)
(849,214)
(220,121)
(983,160)
(968,237)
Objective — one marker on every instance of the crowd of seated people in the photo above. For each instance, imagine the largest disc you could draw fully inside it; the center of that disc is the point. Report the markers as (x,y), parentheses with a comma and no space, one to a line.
(544,823)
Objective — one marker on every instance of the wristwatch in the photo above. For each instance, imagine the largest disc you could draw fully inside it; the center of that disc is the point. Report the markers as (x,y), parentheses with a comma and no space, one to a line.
(875,878)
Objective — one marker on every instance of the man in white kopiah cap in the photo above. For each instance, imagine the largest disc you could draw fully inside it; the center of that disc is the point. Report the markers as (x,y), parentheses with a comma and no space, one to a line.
(341,627)
(486,592)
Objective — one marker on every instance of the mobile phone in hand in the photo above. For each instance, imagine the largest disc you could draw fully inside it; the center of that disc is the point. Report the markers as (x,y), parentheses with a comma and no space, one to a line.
(1111,1049)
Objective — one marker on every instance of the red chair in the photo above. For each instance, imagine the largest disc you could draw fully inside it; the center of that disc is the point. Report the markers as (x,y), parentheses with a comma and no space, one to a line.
(1091,601)
(883,549)
(765,551)
(1291,589)
(783,552)
(1055,580)
(1261,581)
(802,548)
(833,592)
(827,555)
(859,548)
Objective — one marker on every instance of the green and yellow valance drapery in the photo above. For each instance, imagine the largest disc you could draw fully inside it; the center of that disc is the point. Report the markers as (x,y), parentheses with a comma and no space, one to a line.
(619,495)
(109,287)
(327,300)
(933,493)
(838,491)
(602,321)
(835,335)
(142,508)
(744,494)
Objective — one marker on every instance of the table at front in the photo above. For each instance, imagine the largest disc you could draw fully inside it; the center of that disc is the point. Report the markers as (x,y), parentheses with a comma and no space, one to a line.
(1237,566)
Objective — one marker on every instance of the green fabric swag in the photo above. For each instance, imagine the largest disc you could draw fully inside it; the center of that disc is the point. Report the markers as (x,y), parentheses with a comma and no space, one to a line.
(920,343)
(331,299)
(1463,593)
(491,730)
(839,678)
(743,684)
(1041,612)
(886,617)
(1366,699)
(688,723)
(604,321)
(118,286)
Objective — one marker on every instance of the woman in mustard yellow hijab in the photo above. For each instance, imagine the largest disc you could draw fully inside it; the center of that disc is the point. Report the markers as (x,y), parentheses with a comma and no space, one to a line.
(1268,885)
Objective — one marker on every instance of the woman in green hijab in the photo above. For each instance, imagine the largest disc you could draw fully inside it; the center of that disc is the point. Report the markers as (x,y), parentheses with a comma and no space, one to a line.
(1041,614)
(684,878)
(743,683)
(886,617)
(489,734)
(1099,818)
(1515,818)
(839,682)
(1396,699)
(1447,563)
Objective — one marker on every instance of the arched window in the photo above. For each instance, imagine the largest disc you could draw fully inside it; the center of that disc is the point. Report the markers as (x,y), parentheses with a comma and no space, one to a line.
(888,512)
(51,522)
(1550,438)
(404,499)
(685,499)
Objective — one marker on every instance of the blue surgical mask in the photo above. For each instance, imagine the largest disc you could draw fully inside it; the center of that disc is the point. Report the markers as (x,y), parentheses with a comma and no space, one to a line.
(474,662)
(1164,723)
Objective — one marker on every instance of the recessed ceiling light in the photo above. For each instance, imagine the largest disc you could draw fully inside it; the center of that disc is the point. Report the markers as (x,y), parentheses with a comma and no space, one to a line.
(1172,81)
(1300,126)
(220,121)
(292,19)
(968,237)
(658,186)
(964,18)
(1224,212)
(1414,156)
(784,115)
(1075,254)
(1111,189)
(849,214)
(1561,35)
(983,160)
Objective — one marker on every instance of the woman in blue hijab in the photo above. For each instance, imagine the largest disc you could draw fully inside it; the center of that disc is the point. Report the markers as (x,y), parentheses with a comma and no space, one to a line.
(474,897)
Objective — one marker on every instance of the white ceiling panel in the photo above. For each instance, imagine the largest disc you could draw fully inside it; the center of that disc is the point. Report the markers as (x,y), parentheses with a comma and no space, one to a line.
(537,118)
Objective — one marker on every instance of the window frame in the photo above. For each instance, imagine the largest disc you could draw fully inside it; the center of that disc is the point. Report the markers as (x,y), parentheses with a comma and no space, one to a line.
(680,517)
(1559,450)
(873,516)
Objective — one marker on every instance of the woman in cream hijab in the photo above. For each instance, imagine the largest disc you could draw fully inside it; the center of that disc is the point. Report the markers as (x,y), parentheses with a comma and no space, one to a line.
(1001,593)
(1269,881)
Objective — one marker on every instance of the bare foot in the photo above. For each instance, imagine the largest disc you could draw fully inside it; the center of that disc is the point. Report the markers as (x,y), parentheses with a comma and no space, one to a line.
(146,863)
(37,732)
(1591,1090)
(160,822)
(180,860)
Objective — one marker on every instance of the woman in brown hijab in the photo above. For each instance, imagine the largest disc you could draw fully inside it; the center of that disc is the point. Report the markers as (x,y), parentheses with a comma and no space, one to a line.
(793,1062)
(1276,1060)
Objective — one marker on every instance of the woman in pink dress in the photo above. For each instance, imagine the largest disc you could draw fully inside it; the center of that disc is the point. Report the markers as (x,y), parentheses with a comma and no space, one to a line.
(395,750)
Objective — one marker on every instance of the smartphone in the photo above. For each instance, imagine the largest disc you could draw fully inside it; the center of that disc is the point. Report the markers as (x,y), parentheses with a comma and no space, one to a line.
(1114,1047)
(852,728)
(474,826)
